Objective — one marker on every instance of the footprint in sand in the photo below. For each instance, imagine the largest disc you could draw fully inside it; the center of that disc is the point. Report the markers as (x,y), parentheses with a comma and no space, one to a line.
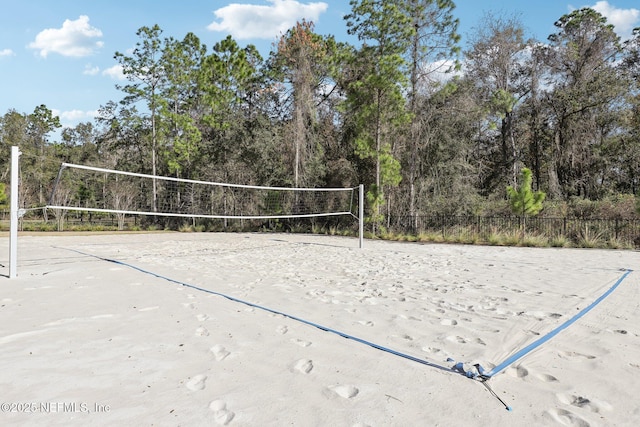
(344,391)
(583,402)
(301,343)
(219,352)
(448,322)
(433,350)
(221,414)
(572,354)
(546,378)
(518,372)
(457,339)
(567,418)
(202,332)
(197,383)
(303,366)
(282,329)
(366,322)
(202,317)
(188,305)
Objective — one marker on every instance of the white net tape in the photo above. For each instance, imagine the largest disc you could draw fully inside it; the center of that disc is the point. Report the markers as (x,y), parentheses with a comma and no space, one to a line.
(85,188)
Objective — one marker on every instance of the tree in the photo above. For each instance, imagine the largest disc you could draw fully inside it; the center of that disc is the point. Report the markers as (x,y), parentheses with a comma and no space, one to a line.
(534,115)
(30,132)
(375,94)
(228,82)
(41,123)
(584,92)
(627,155)
(498,64)
(300,62)
(123,137)
(523,200)
(181,102)
(78,144)
(13,132)
(449,176)
(432,46)
(144,70)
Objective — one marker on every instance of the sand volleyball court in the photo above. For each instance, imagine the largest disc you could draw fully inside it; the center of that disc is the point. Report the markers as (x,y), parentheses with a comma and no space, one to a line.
(206,329)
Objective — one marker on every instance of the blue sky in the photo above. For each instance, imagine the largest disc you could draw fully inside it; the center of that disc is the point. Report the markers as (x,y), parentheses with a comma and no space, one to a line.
(60,53)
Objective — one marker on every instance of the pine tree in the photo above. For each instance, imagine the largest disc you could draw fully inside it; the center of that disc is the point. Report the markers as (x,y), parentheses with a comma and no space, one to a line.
(375,96)
(524,201)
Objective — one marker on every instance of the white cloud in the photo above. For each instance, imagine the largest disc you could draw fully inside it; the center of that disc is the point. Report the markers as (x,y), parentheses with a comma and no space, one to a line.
(250,21)
(90,70)
(115,72)
(624,20)
(72,118)
(76,115)
(6,52)
(441,71)
(75,39)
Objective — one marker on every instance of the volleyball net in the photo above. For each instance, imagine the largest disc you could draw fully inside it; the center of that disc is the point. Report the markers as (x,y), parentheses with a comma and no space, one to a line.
(93,189)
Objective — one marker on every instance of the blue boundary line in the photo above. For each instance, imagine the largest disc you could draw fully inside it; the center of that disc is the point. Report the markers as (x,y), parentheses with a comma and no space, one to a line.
(526,350)
(485,376)
(298,319)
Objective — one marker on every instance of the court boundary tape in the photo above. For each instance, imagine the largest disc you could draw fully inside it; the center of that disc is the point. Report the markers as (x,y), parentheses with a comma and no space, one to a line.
(537,343)
(483,376)
(281,313)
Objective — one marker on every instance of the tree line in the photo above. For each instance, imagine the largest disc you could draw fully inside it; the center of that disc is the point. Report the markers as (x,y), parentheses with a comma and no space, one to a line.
(425,125)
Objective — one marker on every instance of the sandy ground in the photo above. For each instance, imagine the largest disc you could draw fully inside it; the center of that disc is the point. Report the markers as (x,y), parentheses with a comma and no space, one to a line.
(152,330)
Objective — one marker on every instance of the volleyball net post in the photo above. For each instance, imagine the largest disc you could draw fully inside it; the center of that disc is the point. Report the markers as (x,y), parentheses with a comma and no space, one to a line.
(14,206)
(361,215)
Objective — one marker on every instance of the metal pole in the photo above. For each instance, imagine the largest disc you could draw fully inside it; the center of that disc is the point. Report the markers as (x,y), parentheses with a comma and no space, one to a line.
(361,214)
(13,231)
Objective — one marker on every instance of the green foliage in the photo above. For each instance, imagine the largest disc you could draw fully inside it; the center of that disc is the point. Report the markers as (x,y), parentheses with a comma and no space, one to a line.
(325,113)
(375,98)
(181,62)
(584,56)
(523,200)
(503,102)
(3,196)
(301,64)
